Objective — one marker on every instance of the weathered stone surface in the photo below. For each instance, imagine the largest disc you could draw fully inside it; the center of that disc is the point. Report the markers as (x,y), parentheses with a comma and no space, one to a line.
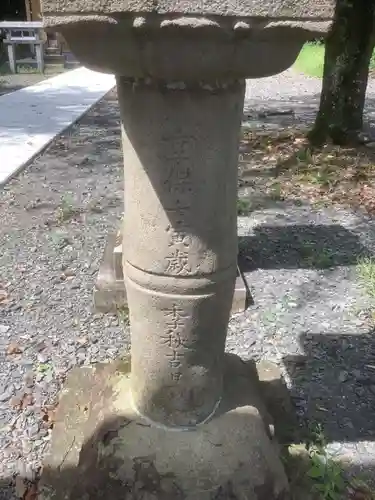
(110,292)
(188,40)
(317,9)
(101,448)
(181,265)
(276,396)
(199,49)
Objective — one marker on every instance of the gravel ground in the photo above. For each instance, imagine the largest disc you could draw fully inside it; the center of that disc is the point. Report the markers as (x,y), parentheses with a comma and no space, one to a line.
(296,96)
(55,218)
(10,82)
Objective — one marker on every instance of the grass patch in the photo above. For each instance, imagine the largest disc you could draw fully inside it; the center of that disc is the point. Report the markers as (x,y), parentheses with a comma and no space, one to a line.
(24,69)
(315,475)
(311,60)
(243,207)
(123,316)
(315,258)
(66,210)
(275,192)
(366,275)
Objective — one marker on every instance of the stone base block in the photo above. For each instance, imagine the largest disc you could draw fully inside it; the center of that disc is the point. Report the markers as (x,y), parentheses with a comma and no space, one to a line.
(102,449)
(110,292)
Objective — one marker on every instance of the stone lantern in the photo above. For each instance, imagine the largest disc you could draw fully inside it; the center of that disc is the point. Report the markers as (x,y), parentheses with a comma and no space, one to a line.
(186,421)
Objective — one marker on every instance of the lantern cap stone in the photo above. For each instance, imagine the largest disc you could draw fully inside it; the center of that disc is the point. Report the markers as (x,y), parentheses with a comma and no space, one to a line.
(314,10)
(182,40)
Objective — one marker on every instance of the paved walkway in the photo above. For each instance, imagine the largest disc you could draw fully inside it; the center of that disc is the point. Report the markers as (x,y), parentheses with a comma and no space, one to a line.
(30,118)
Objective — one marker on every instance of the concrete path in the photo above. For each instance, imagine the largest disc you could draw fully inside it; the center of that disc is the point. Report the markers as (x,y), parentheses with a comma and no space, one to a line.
(30,118)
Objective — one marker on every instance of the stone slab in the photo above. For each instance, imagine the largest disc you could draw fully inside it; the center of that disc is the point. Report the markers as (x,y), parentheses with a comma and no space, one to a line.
(32,117)
(110,292)
(101,448)
(276,395)
(289,9)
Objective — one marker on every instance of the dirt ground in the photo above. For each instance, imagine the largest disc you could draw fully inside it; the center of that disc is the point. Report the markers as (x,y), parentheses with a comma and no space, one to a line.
(26,76)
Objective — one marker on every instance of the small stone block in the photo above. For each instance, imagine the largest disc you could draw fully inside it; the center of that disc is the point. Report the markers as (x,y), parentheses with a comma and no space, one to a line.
(117,262)
(277,400)
(110,292)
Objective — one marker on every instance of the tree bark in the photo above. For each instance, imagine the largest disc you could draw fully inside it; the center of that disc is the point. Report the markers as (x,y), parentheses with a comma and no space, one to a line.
(348,51)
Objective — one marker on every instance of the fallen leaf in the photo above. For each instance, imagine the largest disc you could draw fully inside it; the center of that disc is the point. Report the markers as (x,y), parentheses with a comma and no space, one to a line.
(32,492)
(49,416)
(82,341)
(66,277)
(49,419)
(21,402)
(27,400)
(3,295)
(14,348)
(40,346)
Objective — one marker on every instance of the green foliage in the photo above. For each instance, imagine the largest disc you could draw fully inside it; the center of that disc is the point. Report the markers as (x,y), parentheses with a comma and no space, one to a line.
(123,316)
(366,275)
(304,155)
(275,192)
(372,60)
(243,206)
(326,474)
(311,60)
(66,209)
(318,258)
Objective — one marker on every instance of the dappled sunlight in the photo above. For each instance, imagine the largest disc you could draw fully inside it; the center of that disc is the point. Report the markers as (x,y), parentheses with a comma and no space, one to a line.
(31,117)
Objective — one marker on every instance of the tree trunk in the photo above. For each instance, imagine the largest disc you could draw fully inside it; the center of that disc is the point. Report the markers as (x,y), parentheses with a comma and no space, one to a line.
(348,52)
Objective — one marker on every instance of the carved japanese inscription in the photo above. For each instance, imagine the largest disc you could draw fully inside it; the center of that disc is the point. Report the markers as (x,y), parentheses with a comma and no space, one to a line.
(178,183)
(176,340)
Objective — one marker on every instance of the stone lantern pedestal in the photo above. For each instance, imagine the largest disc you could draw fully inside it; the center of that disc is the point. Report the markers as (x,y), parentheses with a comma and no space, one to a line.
(110,291)
(184,421)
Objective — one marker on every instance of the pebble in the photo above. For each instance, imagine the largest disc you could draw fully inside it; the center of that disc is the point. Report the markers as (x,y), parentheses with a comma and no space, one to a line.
(343,376)
(29,379)
(6,393)
(26,362)
(4,329)
(40,376)
(33,430)
(42,358)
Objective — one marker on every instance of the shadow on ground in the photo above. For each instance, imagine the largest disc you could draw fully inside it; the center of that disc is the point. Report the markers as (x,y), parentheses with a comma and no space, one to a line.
(299,246)
(337,374)
(8,89)
(333,381)
(329,356)
(336,381)
(289,111)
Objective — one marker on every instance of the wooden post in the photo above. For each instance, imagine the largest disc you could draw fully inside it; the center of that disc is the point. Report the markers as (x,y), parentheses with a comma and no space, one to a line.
(39,53)
(28,10)
(35,10)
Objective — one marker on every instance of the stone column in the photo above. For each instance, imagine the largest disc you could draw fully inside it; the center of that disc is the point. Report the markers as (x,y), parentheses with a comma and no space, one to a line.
(180,144)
